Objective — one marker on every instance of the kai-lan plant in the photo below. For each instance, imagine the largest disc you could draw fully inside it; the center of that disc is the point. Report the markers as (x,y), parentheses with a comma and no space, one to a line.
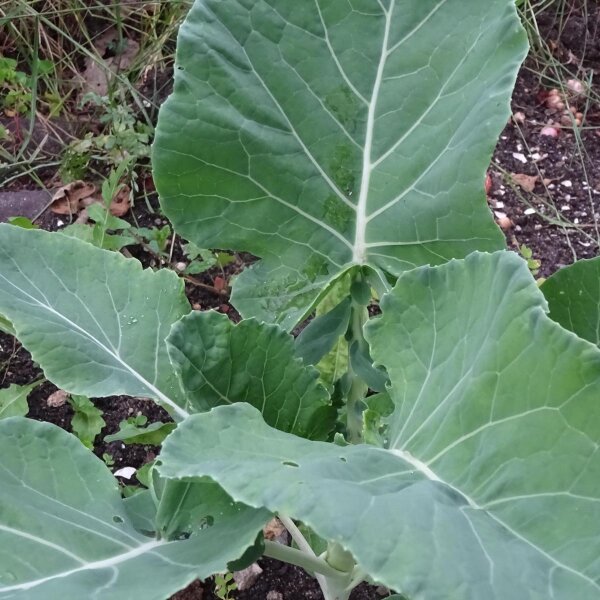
(447,448)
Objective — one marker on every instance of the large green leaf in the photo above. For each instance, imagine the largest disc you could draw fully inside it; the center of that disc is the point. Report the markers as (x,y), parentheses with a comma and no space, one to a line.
(324,134)
(490,484)
(65,532)
(95,321)
(573,296)
(220,363)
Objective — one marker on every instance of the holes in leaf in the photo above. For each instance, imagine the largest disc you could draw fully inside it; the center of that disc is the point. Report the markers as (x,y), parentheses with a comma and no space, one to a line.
(117,519)
(290,463)
(207,521)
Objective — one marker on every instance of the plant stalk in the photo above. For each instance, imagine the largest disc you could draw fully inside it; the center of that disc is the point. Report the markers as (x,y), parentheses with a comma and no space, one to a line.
(358,388)
(310,563)
(335,585)
(302,544)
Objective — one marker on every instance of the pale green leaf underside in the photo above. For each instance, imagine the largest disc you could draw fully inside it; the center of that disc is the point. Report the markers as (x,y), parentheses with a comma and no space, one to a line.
(94,320)
(490,487)
(573,296)
(221,363)
(65,533)
(322,134)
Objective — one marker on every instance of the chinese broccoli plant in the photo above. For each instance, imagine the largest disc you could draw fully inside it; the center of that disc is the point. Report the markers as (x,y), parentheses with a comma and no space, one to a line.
(446,448)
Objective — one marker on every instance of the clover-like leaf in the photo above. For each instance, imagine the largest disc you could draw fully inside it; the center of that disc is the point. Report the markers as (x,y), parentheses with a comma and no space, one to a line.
(322,134)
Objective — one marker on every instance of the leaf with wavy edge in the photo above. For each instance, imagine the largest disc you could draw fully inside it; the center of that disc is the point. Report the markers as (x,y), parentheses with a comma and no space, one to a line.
(13,400)
(95,321)
(322,134)
(65,533)
(489,487)
(573,296)
(221,363)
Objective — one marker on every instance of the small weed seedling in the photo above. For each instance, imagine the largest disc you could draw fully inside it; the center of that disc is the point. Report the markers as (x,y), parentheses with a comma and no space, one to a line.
(224,585)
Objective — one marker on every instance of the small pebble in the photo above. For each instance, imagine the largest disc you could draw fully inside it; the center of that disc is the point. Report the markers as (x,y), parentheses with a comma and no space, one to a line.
(247,577)
(566,183)
(530,211)
(520,157)
(575,86)
(549,131)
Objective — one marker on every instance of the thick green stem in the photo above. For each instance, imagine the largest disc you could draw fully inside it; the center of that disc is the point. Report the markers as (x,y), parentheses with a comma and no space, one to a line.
(308,562)
(358,388)
(335,584)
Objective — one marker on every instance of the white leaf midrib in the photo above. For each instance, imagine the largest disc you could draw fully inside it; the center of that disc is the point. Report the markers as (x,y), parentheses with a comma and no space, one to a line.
(360,251)
(107,563)
(427,472)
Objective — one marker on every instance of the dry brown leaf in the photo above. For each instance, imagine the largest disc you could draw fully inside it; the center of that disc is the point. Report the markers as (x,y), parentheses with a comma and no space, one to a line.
(121,203)
(67,200)
(273,529)
(525,182)
(57,398)
(99,70)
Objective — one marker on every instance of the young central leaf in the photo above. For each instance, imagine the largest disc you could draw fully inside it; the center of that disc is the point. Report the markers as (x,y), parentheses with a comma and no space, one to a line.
(321,135)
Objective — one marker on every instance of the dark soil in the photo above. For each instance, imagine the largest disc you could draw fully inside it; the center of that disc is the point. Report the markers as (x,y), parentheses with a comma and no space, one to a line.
(565,199)
(280,581)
